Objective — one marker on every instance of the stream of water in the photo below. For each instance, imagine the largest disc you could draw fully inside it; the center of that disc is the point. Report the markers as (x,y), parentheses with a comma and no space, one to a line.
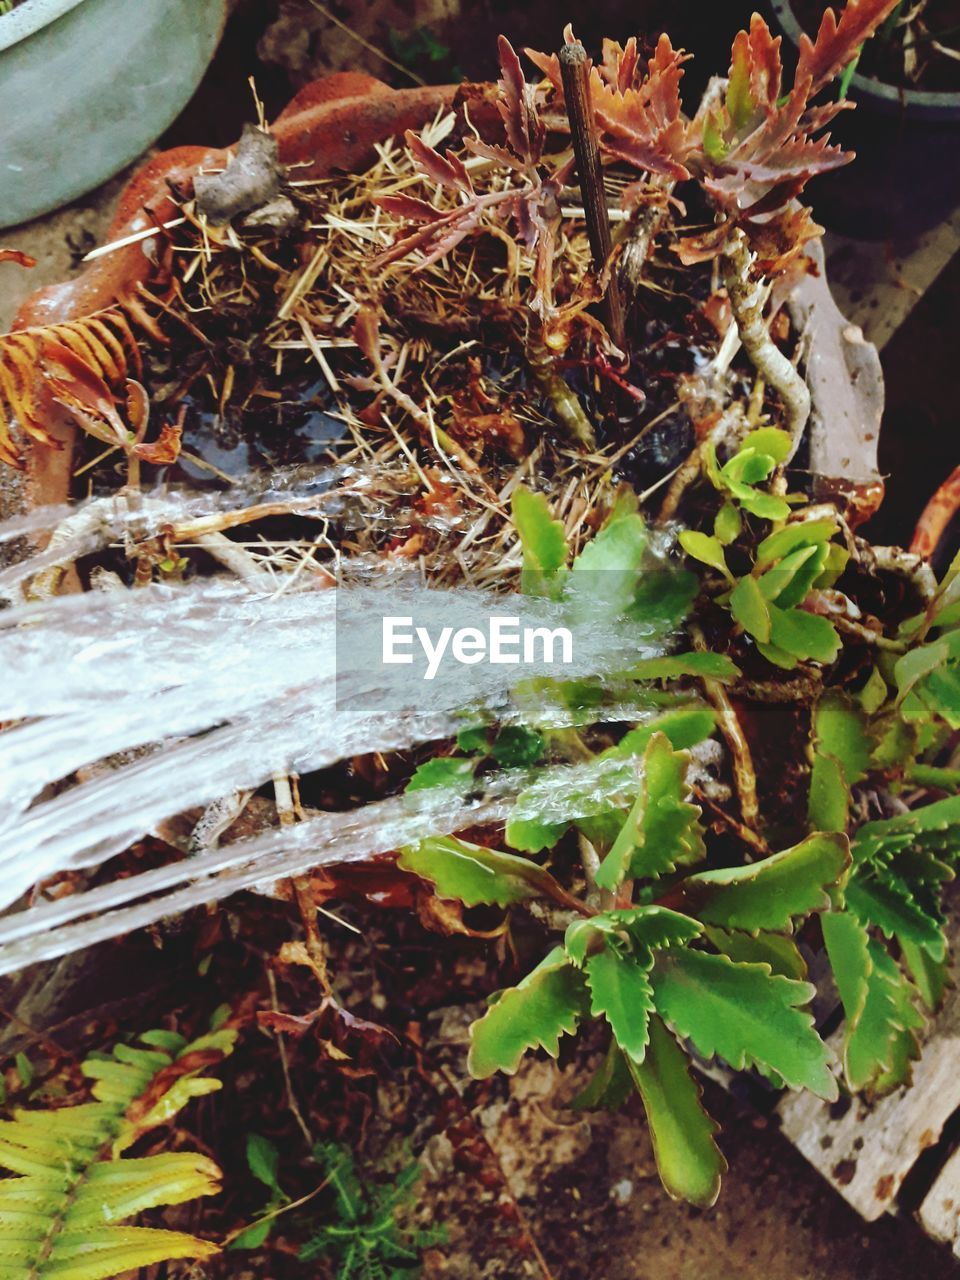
(130,707)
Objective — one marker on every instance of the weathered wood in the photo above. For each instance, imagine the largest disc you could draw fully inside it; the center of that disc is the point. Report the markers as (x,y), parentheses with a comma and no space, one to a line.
(939,1214)
(877,284)
(866,1150)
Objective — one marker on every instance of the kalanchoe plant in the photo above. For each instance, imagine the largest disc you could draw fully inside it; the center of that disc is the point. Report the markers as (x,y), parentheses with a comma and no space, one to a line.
(674,951)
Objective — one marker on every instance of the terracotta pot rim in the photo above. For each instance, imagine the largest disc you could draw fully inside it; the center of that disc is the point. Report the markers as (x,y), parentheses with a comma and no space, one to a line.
(27,19)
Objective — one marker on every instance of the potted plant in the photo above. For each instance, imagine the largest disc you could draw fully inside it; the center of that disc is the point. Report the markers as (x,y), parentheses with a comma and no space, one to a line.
(502,368)
(906,85)
(87,85)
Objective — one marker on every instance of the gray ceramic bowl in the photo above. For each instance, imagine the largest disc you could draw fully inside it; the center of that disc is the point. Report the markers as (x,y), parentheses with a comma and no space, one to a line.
(87,85)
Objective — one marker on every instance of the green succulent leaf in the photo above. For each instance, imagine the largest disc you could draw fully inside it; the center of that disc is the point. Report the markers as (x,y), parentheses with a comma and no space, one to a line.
(745,1014)
(544,544)
(688,1159)
(609,1087)
(441,771)
(773,892)
(870,986)
(662,829)
(804,533)
(779,952)
(647,927)
(517,747)
(930,976)
(620,991)
(806,636)
(547,1004)
(684,726)
(606,573)
(882,899)
(828,805)
(751,608)
(471,873)
(708,550)
(727,524)
(713,666)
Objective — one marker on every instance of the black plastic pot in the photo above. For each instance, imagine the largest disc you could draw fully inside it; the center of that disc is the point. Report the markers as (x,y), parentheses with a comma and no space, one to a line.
(906,177)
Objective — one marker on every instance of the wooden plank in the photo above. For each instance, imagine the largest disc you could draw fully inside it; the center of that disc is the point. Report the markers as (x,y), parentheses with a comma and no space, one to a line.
(877,284)
(866,1150)
(939,1214)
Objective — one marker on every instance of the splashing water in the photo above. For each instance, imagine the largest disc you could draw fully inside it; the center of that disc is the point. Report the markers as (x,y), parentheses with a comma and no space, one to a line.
(169,698)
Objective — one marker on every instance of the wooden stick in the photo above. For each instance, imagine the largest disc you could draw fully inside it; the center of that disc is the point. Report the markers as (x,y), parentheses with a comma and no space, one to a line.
(576,91)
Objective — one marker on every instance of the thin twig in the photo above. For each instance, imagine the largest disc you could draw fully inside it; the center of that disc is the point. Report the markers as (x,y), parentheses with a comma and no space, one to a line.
(576,92)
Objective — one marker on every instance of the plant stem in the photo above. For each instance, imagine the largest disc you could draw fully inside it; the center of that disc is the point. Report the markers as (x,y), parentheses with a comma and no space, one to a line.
(747,299)
(576,92)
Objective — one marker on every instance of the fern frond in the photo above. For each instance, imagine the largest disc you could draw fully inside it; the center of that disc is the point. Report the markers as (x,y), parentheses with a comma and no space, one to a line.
(103,342)
(60,1216)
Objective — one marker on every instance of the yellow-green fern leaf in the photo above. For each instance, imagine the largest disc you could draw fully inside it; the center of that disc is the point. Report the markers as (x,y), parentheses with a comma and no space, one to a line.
(61,1215)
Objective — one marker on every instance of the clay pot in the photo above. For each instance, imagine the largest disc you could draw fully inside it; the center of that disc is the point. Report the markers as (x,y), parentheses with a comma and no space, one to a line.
(332,124)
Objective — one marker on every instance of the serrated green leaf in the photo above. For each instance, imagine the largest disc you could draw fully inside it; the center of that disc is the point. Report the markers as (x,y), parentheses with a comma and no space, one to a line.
(620,991)
(441,771)
(745,1014)
(705,548)
(806,636)
(878,1027)
(940,820)
(547,1004)
(684,726)
(713,666)
(828,805)
(803,533)
(770,893)
(609,1087)
(661,829)
(647,927)
(688,1159)
(779,952)
(883,900)
(841,732)
(543,541)
(929,975)
(470,873)
(750,608)
(727,524)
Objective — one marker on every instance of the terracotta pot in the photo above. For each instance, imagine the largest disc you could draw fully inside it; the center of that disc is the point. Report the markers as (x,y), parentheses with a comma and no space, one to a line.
(332,124)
